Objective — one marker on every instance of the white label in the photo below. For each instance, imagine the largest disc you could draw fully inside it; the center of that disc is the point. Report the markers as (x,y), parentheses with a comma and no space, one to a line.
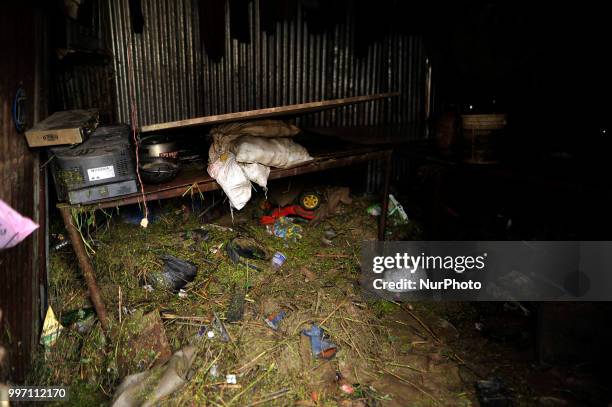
(96,174)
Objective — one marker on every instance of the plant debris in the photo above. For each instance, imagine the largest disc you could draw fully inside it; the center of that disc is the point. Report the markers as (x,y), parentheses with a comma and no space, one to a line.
(271,366)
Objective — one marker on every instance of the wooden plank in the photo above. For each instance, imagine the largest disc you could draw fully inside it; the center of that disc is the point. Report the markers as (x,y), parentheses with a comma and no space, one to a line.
(267,112)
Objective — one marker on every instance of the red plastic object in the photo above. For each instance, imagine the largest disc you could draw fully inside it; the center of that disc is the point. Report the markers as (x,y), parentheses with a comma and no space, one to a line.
(295,210)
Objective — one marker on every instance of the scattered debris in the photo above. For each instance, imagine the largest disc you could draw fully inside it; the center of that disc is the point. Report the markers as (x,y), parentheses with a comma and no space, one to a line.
(272,215)
(286,229)
(374,210)
(219,227)
(61,245)
(330,233)
(274,319)
(51,330)
(347,388)
(396,208)
(81,320)
(246,346)
(230,379)
(326,242)
(148,387)
(344,385)
(240,248)
(396,212)
(278,260)
(215,249)
(320,345)
(198,235)
(176,274)
(213,371)
(220,327)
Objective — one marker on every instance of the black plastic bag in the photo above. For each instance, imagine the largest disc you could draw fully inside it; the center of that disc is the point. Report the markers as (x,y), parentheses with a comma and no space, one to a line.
(176,274)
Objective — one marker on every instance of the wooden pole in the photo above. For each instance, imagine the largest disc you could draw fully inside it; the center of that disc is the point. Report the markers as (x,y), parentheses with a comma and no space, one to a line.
(85,266)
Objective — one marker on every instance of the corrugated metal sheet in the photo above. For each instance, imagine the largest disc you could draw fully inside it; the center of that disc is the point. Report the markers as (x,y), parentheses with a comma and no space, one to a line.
(19,187)
(175,79)
(83,86)
(166,58)
(83,77)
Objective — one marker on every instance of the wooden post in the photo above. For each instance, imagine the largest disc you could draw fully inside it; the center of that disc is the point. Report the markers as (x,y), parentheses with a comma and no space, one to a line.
(85,266)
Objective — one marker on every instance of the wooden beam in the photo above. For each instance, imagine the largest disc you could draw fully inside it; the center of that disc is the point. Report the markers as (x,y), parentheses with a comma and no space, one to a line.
(267,112)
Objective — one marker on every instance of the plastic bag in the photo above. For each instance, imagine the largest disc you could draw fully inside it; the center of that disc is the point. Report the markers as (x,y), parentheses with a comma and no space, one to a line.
(232,180)
(256,173)
(149,387)
(175,274)
(13,227)
(273,152)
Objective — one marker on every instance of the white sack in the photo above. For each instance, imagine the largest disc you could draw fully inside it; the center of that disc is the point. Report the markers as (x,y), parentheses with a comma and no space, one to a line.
(232,180)
(257,173)
(273,152)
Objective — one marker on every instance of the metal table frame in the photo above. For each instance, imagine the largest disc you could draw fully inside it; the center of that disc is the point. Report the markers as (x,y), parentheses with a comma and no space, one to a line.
(205,183)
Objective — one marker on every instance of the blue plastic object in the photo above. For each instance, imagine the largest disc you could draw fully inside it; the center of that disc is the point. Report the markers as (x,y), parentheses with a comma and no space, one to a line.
(273,320)
(321,347)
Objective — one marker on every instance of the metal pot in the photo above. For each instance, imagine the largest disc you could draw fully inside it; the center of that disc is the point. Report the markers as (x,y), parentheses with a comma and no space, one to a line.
(156,170)
(159,145)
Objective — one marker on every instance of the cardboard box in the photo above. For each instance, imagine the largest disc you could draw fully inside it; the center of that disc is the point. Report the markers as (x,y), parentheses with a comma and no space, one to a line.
(67,127)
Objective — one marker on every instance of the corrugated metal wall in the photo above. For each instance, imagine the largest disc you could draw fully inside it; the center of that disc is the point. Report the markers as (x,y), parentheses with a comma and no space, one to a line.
(21,267)
(167,61)
(175,79)
(84,79)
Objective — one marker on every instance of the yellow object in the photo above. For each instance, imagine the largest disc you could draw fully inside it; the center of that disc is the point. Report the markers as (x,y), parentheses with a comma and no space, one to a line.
(310,201)
(51,329)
